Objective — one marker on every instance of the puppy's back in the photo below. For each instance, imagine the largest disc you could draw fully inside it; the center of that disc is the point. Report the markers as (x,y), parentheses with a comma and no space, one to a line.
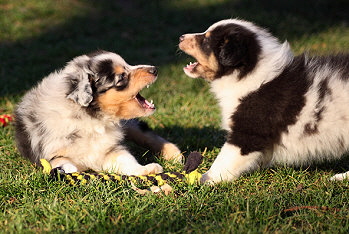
(35,110)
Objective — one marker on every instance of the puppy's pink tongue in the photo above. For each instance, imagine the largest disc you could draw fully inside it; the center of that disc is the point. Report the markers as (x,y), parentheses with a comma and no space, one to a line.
(144,102)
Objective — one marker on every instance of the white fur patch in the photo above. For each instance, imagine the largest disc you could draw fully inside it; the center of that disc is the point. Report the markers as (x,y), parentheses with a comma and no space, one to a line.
(230,164)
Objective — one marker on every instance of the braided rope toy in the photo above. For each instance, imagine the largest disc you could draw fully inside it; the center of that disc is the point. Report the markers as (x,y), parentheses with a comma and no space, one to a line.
(156,182)
(5,119)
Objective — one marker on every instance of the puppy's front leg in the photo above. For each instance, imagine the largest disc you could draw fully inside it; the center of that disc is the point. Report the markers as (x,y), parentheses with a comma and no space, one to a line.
(65,164)
(122,162)
(60,159)
(141,134)
(230,164)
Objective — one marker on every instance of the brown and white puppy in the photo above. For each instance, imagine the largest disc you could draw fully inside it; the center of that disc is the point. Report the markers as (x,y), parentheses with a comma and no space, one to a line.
(76,117)
(276,107)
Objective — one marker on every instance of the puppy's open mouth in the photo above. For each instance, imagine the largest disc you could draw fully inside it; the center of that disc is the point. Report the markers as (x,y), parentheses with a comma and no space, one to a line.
(144,102)
(190,67)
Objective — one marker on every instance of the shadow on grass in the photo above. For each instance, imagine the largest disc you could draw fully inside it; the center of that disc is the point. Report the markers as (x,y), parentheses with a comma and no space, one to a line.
(187,139)
(335,166)
(147,31)
(190,139)
(210,138)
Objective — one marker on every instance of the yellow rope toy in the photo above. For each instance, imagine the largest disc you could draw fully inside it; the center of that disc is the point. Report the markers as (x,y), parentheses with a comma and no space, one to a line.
(156,182)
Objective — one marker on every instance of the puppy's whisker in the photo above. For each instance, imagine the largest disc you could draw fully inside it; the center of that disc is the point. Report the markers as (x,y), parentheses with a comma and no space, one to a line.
(178,52)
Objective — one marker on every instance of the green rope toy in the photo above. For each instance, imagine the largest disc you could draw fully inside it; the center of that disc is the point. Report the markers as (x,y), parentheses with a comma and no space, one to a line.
(156,182)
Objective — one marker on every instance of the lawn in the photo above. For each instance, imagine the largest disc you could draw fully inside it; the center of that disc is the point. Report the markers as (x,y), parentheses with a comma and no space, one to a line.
(37,37)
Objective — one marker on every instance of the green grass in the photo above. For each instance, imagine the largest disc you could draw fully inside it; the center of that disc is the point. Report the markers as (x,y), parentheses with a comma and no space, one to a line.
(38,37)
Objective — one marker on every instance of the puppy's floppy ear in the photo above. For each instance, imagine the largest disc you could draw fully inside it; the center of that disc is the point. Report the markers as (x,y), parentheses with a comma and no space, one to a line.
(233,50)
(240,50)
(80,90)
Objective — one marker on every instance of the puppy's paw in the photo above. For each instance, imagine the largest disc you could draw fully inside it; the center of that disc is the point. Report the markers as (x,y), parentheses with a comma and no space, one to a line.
(214,178)
(207,179)
(340,176)
(171,152)
(152,168)
(69,168)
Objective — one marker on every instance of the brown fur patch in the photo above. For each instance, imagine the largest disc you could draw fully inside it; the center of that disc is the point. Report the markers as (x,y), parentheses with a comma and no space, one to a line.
(59,153)
(140,78)
(208,64)
(207,67)
(122,104)
(204,72)
(119,69)
(63,156)
(213,62)
(59,161)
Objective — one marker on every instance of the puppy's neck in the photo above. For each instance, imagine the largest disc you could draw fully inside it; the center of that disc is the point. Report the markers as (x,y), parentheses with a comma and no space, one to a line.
(274,58)
(230,89)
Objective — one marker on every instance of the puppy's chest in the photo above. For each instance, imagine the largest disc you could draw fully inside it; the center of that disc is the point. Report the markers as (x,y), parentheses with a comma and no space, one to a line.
(228,100)
(99,134)
(228,107)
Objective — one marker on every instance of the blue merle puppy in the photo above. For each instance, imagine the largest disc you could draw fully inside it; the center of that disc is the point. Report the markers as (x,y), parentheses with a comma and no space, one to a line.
(77,117)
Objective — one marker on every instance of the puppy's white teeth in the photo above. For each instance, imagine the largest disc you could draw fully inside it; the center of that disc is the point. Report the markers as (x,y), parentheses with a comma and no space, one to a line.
(148,86)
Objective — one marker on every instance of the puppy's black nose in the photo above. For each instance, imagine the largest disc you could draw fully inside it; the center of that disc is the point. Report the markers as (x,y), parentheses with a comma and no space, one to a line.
(153,70)
(181,38)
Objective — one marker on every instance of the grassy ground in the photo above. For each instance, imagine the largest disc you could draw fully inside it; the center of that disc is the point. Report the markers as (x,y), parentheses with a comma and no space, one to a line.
(40,36)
